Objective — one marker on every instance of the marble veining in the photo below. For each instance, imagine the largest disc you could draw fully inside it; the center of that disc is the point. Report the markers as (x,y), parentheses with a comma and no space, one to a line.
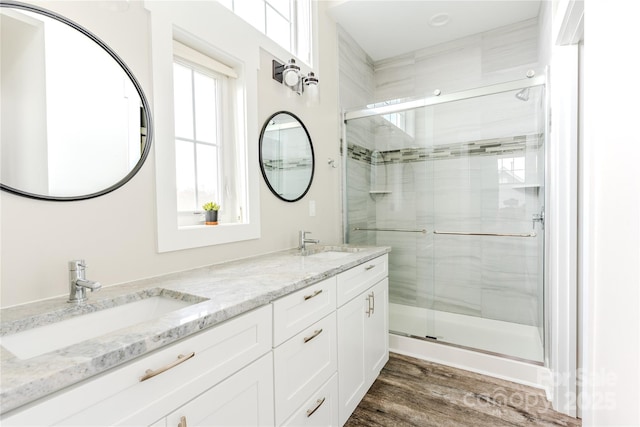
(30,316)
(219,292)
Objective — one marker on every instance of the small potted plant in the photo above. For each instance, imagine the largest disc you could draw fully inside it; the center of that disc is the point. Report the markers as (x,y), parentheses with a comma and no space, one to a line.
(211,213)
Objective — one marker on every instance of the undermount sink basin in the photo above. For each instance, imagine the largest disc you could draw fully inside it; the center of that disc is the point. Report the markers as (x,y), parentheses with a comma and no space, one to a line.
(332,252)
(54,336)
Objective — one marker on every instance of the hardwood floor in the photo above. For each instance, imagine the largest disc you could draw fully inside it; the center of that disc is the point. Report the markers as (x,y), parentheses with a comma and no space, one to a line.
(412,392)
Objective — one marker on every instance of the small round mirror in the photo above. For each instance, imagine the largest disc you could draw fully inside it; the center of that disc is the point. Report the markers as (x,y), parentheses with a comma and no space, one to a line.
(286,156)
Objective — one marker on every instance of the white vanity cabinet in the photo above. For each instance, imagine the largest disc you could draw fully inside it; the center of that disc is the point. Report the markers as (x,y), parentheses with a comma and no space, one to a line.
(305,359)
(330,343)
(195,365)
(363,325)
(305,356)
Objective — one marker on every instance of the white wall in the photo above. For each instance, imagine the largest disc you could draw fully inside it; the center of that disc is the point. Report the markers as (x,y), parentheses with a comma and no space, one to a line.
(116,233)
(561,225)
(611,200)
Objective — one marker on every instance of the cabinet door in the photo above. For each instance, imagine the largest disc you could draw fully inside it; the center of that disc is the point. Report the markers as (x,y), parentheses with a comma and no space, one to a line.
(377,330)
(363,345)
(244,399)
(351,355)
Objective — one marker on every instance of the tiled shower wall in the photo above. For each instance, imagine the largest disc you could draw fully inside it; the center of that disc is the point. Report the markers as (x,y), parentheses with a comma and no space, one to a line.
(479,60)
(441,170)
(491,277)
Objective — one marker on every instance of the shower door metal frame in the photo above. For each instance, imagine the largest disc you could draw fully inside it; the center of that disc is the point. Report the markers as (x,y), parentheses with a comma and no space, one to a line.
(442,99)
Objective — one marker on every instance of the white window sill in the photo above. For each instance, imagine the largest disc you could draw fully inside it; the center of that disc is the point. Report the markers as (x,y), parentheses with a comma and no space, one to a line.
(201,226)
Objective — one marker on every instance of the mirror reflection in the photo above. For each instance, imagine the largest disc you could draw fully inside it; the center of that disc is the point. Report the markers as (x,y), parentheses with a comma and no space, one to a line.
(74,120)
(286,156)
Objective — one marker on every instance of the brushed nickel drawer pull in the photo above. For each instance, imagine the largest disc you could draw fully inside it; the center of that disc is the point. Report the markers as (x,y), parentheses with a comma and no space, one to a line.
(373,300)
(183,421)
(150,373)
(318,405)
(369,311)
(315,334)
(369,267)
(315,294)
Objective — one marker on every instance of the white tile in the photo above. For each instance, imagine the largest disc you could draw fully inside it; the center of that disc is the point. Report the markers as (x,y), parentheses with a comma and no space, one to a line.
(510,307)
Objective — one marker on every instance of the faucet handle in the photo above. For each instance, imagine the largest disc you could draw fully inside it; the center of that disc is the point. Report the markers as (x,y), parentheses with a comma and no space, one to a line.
(77,264)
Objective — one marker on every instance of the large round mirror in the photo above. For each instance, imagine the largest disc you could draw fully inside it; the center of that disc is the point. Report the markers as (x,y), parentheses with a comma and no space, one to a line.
(75,122)
(286,156)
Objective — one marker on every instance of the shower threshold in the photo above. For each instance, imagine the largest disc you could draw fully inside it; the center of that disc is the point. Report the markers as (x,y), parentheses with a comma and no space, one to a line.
(494,337)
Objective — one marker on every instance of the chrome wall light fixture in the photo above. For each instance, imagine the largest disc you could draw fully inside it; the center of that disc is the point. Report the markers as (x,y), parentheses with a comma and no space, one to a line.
(289,74)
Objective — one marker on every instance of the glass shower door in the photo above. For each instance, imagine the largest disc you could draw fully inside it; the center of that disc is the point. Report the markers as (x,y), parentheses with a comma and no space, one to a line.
(456,189)
(389,203)
(488,193)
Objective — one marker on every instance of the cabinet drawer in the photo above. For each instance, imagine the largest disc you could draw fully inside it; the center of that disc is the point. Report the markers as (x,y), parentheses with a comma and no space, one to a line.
(354,281)
(303,364)
(320,410)
(299,310)
(244,399)
(119,396)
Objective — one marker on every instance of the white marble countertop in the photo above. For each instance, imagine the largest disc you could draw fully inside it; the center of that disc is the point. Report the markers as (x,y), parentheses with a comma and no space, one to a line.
(219,292)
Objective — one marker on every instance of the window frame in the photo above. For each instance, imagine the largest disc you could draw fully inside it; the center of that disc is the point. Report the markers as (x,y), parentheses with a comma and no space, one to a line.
(231,46)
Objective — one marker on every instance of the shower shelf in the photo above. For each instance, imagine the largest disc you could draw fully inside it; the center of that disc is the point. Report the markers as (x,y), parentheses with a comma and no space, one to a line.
(379,192)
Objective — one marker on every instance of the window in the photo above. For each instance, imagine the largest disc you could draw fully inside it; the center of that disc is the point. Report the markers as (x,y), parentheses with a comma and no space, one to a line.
(287,22)
(402,120)
(511,175)
(195,37)
(204,137)
(511,170)
(197,118)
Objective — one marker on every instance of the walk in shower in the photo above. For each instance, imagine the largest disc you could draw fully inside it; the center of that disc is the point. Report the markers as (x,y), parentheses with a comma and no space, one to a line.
(455,185)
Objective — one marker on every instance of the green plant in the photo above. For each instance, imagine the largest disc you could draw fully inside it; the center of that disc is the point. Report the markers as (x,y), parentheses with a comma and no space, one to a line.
(211,206)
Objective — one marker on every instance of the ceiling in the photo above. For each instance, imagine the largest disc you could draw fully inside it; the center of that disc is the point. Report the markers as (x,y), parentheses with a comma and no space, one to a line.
(387,28)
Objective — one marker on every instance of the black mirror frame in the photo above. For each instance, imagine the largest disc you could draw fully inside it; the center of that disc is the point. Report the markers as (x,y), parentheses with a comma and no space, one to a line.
(145,106)
(313,158)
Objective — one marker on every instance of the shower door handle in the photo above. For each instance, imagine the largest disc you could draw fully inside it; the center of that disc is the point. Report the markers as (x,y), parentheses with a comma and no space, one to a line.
(538,217)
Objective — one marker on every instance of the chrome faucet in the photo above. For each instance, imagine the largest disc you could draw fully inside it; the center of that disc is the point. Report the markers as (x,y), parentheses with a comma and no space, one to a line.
(303,241)
(78,284)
